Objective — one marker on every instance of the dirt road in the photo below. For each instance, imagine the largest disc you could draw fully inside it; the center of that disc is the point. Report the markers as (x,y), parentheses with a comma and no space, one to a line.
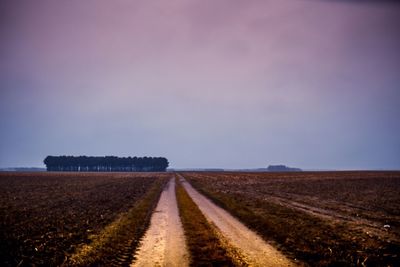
(164,242)
(254,250)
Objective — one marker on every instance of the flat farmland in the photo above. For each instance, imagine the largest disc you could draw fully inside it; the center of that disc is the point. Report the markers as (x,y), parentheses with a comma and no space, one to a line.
(48,217)
(316,218)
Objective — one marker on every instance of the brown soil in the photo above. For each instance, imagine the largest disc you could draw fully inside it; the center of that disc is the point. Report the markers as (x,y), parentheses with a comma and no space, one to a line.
(46,217)
(321,218)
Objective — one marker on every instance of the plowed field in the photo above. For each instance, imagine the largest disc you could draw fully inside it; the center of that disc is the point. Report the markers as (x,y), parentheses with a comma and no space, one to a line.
(45,217)
(320,218)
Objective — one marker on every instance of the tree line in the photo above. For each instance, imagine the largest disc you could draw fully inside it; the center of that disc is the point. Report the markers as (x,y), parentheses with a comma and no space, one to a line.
(106,164)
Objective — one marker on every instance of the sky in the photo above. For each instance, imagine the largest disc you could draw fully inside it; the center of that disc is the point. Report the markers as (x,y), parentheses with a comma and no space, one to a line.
(313,84)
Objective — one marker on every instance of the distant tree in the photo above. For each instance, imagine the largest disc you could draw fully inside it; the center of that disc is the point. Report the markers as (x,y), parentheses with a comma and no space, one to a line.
(105,164)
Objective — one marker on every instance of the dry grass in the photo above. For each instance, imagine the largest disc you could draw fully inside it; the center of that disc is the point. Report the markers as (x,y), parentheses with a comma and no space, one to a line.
(205,247)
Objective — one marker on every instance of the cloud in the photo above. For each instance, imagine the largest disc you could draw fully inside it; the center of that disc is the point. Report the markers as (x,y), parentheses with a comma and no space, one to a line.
(228,81)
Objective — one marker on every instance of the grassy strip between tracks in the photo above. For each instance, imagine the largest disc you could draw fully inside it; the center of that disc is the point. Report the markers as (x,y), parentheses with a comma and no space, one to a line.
(206,247)
(116,244)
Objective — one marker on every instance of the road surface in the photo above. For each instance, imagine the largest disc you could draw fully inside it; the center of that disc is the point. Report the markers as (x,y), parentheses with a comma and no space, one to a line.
(164,242)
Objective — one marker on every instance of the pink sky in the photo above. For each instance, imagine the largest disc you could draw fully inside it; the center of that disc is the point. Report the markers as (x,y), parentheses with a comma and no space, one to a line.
(233,84)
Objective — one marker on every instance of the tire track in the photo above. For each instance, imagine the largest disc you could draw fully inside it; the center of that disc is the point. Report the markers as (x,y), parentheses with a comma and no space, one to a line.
(164,242)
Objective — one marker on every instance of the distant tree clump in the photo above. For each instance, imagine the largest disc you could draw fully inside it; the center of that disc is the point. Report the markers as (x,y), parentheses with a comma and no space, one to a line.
(106,164)
(282,168)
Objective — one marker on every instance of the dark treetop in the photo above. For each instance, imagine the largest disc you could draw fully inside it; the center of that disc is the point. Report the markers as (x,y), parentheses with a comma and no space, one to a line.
(105,164)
